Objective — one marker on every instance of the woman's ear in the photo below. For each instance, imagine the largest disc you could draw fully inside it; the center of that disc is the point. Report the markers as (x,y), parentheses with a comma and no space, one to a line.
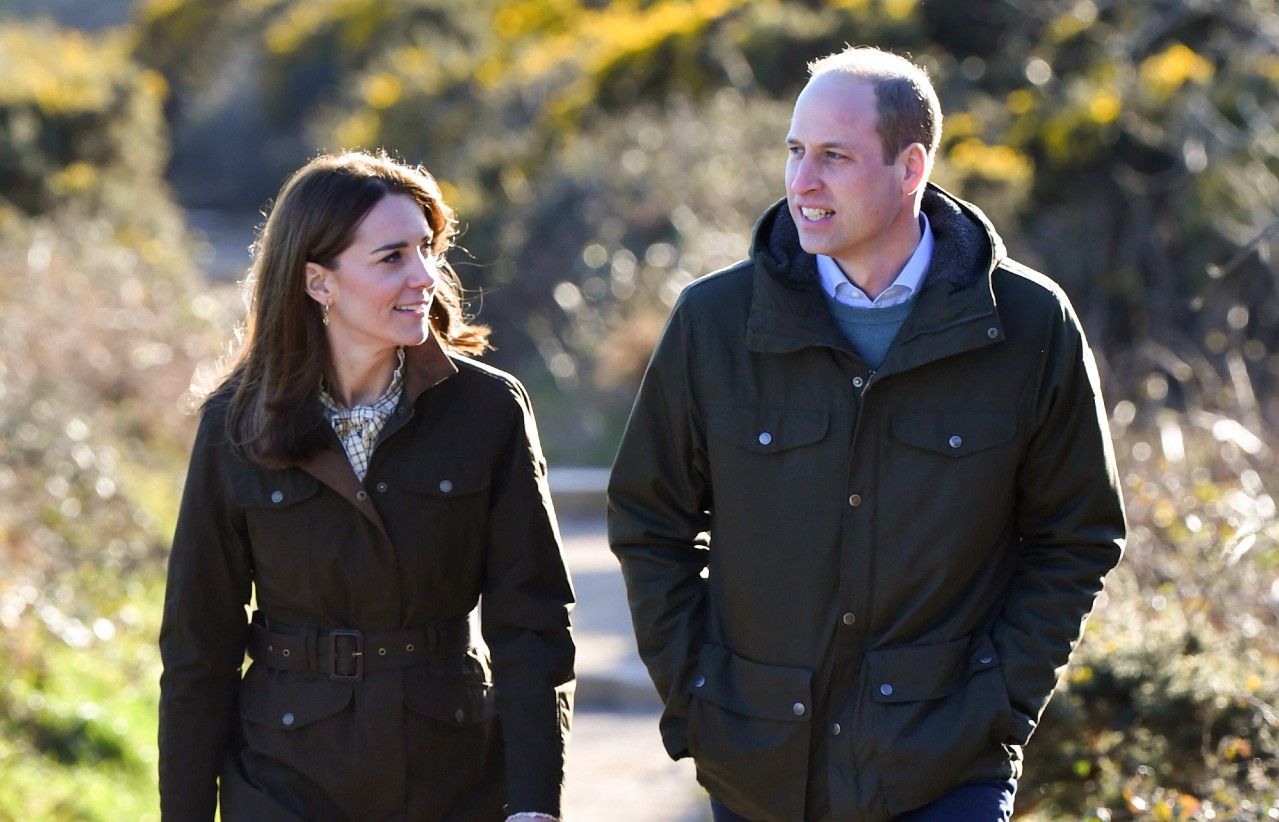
(319,284)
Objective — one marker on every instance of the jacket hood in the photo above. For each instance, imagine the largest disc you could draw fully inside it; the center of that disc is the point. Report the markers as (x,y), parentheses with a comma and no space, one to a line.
(966,248)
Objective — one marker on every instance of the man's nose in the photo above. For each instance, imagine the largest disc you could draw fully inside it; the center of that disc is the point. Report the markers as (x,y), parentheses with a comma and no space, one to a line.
(803,176)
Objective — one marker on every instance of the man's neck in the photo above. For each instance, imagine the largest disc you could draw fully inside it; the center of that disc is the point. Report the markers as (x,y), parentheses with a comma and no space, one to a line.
(875,268)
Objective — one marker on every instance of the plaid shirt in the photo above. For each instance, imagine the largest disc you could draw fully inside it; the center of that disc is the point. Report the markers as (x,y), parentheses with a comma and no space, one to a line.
(358,427)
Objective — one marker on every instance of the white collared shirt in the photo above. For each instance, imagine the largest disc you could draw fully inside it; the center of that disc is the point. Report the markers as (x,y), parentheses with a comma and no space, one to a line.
(838,287)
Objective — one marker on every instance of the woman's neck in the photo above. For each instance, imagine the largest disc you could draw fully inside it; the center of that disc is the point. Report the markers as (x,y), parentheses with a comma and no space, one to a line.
(361,378)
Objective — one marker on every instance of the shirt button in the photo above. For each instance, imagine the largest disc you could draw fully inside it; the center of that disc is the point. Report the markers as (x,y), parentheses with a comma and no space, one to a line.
(459,715)
(849,618)
(381,487)
(361,495)
(699,682)
(855,500)
(886,689)
(798,708)
(765,438)
(992,332)
(955,441)
(858,382)
(446,486)
(835,729)
(287,719)
(277,496)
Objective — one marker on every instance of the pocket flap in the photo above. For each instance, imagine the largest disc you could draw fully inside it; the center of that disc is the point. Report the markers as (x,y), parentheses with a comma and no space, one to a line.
(768,430)
(453,701)
(449,478)
(273,488)
(287,701)
(914,673)
(774,692)
(955,434)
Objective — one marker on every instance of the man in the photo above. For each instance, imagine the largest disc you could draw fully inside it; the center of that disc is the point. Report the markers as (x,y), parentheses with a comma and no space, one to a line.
(866,496)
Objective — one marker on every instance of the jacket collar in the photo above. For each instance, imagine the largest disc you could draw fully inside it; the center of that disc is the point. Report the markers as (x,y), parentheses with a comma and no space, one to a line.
(789,312)
(425,366)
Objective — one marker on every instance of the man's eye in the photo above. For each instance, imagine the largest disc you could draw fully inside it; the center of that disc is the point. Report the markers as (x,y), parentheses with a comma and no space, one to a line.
(794,151)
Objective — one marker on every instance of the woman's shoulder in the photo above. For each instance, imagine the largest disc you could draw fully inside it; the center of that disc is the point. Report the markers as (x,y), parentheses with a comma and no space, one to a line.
(488,380)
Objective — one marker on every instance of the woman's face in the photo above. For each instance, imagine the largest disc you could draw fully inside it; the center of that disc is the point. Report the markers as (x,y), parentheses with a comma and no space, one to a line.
(379,290)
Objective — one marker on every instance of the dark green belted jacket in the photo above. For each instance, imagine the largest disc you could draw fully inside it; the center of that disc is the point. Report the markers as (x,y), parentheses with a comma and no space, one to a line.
(455,506)
(855,588)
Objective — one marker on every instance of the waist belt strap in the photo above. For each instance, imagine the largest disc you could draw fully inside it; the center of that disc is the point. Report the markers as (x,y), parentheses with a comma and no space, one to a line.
(346,654)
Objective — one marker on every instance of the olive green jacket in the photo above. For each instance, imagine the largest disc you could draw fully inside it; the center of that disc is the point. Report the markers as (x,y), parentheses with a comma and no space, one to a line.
(855,589)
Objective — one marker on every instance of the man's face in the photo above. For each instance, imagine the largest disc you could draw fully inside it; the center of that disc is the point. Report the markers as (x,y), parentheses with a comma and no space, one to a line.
(842,195)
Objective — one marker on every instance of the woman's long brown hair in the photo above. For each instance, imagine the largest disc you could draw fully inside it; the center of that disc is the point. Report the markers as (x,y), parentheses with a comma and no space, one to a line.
(273,380)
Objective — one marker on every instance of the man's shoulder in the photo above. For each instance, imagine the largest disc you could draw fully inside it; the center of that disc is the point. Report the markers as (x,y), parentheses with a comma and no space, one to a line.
(1030,289)
(718,289)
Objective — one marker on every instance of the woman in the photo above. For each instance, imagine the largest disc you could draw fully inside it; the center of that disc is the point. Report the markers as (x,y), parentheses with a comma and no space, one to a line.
(368,484)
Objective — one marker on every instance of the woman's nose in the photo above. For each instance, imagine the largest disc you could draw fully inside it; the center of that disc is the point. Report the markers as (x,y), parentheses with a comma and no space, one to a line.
(423,274)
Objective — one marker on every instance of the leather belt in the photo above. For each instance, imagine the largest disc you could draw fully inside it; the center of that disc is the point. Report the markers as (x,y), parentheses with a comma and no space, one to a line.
(346,654)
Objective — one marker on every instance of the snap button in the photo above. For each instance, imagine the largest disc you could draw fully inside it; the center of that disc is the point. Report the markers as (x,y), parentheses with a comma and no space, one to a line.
(361,495)
(849,618)
(270,648)
(277,496)
(835,729)
(409,647)
(699,682)
(285,652)
(446,486)
(886,689)
(992,332)
(854,500)
(287,719)
(381,652)
(459,715)
(381,487)
(986,660)
(858,382)
(765,438)
(798,708)
(955,441)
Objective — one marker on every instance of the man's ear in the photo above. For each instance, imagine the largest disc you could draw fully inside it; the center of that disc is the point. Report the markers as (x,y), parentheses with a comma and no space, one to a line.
(914,160)
(319,284)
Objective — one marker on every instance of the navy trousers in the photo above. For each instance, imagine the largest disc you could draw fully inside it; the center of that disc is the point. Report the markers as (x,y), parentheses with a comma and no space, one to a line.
(978,802)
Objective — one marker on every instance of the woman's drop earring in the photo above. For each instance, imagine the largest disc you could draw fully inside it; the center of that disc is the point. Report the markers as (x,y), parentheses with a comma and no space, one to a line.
(325,316)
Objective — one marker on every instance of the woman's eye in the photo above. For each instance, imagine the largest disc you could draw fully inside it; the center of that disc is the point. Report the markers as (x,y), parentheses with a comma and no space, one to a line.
(393,257)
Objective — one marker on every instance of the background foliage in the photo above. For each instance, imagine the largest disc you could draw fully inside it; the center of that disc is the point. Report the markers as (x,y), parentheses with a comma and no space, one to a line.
(602,155)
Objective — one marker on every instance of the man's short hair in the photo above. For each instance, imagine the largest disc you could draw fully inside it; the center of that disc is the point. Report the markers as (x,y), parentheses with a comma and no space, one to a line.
(905,101)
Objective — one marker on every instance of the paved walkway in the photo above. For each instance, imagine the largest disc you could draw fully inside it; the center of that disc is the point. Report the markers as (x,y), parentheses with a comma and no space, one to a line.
(617,768)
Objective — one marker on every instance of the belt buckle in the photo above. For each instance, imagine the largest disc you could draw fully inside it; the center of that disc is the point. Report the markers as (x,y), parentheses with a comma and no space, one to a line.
(357,655)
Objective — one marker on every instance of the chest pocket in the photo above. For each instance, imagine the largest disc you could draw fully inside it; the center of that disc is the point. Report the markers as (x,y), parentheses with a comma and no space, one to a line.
(449,479)
(955,434)
(768,430)
(272,489)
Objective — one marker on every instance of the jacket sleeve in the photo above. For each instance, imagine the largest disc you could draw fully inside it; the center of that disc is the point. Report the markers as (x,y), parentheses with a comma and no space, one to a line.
(1070,521)
(202,635)
(658,511)
(525,611)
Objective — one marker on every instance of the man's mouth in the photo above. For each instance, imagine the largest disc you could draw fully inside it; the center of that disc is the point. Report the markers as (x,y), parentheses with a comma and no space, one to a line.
(815,214)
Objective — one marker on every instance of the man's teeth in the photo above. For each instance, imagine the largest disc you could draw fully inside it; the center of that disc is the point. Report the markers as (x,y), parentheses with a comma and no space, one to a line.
(815,213)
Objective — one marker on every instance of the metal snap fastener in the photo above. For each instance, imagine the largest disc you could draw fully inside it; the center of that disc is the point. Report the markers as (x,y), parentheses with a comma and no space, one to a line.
(849,618)
(835,729)
(854,500)
(459,714)
(955,441)
(285,652)
(409,647)
(446,486)
(381,652)
(886,689)
(361,495)
(287,719)
(277,496)
(986,660)
(858,382)
(270,648)
(699,682)
(381,487)
(798,709)
(765,438)
(992,332)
